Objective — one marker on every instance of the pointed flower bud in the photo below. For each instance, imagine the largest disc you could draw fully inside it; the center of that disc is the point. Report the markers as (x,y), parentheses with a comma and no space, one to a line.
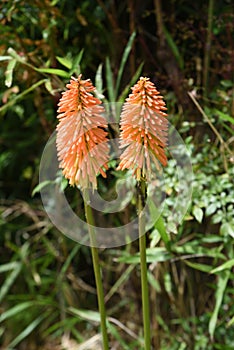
(143,128)
(81,140)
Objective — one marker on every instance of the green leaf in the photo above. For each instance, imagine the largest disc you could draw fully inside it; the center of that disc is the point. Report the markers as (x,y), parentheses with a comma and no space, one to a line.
(153,281)
(67,263)
(99,82)
(41,185)
(9,72)
(198,213)
(15,310)
(124,276)
(87,315)
(123,62)
(49,87)
(174,48)
(227,265)
(158,222)
(9,281)
(55,71)
(225,117)
(227,229)
(9,266)
(26,331)
(156,254)
(211,209)
(231,322)
(116,335)
(76,63)
(159,225)
(200,267)
(197,250)
(66,62)
(110,82)
(221,286)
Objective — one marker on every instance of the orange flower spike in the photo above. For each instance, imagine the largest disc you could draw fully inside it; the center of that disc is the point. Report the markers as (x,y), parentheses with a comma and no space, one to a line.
(143,128)
(81,141)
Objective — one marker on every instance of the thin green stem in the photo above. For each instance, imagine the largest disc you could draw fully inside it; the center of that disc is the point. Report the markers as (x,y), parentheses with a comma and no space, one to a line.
(144,280)
(97,269)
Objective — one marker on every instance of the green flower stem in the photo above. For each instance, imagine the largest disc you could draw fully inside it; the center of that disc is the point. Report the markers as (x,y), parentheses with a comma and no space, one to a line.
(144,281)
(97,269)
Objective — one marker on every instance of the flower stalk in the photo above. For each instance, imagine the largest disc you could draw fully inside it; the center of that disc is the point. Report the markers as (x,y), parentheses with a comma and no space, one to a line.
(83,153)
(144,136)
(97,269)
(143,263)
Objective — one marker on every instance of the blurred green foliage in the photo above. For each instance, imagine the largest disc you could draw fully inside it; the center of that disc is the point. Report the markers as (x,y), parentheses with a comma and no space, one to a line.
(47,289)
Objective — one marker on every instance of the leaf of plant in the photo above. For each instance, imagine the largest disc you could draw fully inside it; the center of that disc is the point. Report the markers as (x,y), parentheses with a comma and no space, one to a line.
(55,71)
(9,266)
(119,282)
(156,254)
(110,82)
(198,213)
(174,47)
(123,62)
(211,209)
(15,310)
(49,87)
(227,265)
(41,185)
(66,62)
(200,267)
(76,63)
(88,315)
(9,281)
(231,322)
(98,79)
(113,330)
(221,286)
(26,331)
(227,228)
(225,117)
(9,72)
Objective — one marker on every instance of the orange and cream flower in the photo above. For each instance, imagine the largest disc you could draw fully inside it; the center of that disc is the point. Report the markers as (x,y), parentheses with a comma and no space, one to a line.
(143,128)
(81,139)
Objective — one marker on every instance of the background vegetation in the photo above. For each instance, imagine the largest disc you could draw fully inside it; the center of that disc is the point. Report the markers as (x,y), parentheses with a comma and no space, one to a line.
(47,292)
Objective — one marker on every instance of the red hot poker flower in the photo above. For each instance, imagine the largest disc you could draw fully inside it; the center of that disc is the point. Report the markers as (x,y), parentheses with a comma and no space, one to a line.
(143,130)
(81,141)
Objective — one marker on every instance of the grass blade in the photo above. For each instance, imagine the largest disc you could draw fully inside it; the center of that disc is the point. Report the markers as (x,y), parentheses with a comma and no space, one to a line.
(9,266)
(99,82)
(222,283)
(76,63)
(227,265)
(123,62)
(55,71)
(9,281)
(110,82)
(174,47)
(15,310)
(26,331)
